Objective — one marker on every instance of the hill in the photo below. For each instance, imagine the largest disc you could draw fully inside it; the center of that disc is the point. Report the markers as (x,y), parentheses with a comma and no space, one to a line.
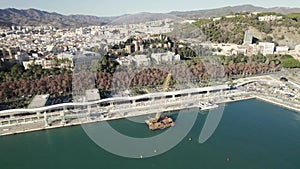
(284,31)
(231,10)
(140,18)
(36,17)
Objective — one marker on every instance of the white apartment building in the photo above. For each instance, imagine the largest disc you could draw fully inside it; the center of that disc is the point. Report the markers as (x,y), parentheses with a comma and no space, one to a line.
(168,57)
(267,48)
(137,60)
(269,18)
(46,64)
(282,49)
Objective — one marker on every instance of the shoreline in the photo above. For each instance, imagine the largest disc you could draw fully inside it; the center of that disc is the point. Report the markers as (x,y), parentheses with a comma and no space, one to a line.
(77,122)
(277,103)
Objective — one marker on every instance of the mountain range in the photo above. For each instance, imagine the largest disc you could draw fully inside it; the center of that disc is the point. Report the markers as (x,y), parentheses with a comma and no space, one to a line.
(34,17)
(232,9)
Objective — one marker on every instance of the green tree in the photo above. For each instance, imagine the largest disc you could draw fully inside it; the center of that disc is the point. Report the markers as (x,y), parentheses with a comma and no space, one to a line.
(17,70)
(269,39)
(290,63)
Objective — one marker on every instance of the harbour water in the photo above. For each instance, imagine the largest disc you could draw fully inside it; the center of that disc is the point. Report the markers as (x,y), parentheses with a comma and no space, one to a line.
(251,134)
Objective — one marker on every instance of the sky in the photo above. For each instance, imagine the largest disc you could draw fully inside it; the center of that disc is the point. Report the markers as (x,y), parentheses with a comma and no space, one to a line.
(120,7)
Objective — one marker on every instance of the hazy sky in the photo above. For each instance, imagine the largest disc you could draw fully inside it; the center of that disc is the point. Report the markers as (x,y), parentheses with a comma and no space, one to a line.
(119,7)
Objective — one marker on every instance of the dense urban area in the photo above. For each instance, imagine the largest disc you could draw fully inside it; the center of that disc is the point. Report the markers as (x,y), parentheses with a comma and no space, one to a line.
(37,60)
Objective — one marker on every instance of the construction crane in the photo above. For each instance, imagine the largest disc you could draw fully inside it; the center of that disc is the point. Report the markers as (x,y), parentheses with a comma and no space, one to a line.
(156,122)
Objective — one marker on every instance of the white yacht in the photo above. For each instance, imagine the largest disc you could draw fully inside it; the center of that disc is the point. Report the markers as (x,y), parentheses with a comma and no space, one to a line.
(207,105)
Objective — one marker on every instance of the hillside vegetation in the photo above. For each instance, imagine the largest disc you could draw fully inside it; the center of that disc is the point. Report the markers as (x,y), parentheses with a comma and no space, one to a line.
(231,30)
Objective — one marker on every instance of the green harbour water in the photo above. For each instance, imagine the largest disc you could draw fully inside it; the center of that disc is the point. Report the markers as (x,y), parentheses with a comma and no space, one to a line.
(252,133)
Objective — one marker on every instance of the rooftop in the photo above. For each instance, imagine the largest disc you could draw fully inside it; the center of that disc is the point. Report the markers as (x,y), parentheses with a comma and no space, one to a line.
(38,101)
(92,95)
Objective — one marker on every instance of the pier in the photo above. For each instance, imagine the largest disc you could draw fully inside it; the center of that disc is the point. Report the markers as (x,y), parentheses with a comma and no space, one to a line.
(67,114)
(60,115)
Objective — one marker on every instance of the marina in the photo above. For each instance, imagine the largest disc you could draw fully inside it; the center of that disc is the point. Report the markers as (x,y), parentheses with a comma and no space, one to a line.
(237,138)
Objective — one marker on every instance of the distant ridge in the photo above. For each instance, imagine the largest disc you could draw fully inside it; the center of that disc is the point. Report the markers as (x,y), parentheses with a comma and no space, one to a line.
(217,12)
(141,17)
(34,17)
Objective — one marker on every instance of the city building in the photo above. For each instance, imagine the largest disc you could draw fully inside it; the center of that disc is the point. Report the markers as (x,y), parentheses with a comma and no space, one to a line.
(168,57)
(39,101)
(8,52)
(248,38)
(269,18)
(92,95)
(267,48)
(141,60)
(128,48)
(136,46)
(45,63)
(136,60)
(240,50)
(282,49)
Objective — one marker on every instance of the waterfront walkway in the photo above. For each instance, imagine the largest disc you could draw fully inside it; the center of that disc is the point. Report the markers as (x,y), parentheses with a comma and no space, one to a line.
(69,114)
